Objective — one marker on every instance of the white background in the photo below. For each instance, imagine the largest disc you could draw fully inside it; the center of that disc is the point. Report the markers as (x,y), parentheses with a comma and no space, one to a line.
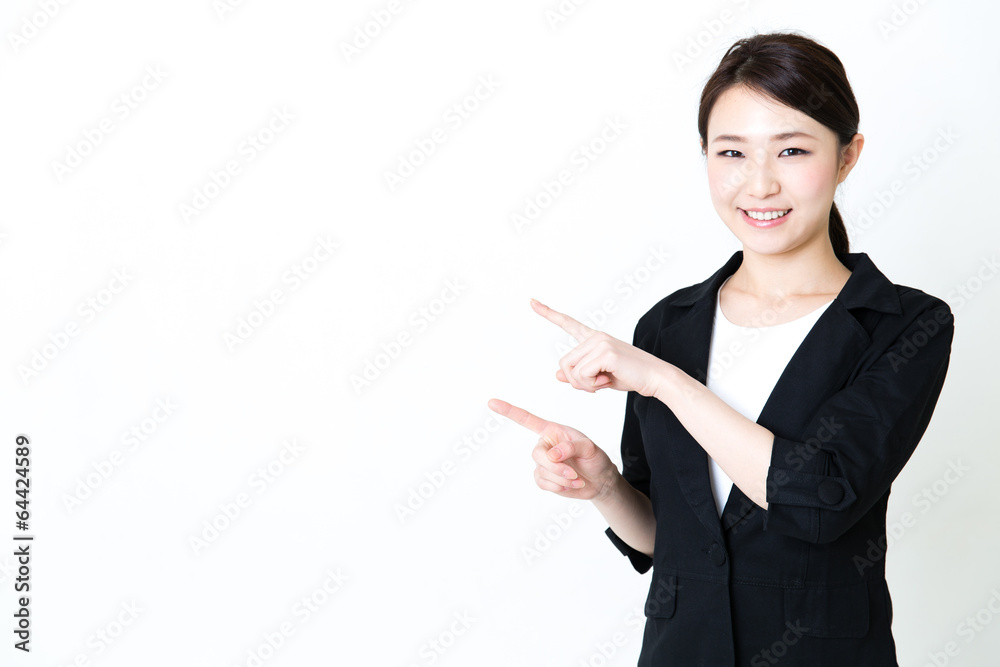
(331,514)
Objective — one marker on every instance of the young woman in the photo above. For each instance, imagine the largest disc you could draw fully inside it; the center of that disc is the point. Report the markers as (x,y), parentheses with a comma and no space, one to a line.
(769,407)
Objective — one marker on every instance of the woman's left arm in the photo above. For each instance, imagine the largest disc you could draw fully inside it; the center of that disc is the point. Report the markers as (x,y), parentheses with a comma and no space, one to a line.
(741,447)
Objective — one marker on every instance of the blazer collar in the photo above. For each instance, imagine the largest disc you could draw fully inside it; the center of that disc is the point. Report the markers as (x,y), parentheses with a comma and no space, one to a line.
(867,287)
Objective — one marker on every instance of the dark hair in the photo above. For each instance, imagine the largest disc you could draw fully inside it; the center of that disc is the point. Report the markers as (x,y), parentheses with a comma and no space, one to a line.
(797,72)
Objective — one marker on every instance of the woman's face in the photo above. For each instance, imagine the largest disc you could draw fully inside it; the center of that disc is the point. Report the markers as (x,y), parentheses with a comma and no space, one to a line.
(764,156)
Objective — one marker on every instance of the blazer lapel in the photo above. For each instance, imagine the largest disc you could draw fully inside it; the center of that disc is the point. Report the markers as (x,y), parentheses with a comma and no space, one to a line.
(687,340)
(820,366)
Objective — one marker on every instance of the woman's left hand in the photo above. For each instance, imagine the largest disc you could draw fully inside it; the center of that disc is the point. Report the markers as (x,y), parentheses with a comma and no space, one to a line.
(601,361)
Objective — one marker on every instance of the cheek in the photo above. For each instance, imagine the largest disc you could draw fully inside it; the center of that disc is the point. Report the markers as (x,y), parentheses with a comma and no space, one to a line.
(723,181)
(815,183)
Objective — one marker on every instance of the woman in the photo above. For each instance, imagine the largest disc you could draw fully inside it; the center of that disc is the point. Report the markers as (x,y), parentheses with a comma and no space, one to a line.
(769,407)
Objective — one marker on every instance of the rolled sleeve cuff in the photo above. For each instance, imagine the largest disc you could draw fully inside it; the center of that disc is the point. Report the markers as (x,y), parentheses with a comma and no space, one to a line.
(795,498)
(640,561)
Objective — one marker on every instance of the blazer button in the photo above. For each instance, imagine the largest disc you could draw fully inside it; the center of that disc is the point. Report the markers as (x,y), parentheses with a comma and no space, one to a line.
(716,554)
(830,492)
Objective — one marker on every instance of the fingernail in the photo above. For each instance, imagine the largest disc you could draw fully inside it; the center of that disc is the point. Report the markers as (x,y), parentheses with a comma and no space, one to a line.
(554,454)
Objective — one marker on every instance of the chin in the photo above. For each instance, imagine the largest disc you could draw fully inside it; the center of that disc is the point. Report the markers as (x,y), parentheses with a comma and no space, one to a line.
(774,241)
(771,243)
(774,246)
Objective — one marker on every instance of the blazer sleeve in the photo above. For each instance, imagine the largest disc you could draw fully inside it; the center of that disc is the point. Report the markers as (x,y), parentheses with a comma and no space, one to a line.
(821,483)
(635,469)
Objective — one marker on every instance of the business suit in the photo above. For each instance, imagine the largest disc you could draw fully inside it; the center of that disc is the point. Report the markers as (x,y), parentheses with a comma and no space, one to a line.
(803,582)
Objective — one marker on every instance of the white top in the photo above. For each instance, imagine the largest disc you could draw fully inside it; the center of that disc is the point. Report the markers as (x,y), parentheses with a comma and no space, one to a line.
(744,365)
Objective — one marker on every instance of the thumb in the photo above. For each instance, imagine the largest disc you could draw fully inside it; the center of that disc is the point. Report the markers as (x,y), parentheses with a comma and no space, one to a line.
(568,449)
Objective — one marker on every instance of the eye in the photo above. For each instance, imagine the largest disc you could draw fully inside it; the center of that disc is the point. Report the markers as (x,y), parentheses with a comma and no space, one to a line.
(800,151)
(723,153)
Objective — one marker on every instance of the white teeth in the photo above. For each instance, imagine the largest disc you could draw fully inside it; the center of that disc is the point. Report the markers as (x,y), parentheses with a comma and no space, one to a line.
(770,215)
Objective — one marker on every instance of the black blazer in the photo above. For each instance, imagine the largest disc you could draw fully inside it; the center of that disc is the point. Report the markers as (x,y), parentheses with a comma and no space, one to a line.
(802,583)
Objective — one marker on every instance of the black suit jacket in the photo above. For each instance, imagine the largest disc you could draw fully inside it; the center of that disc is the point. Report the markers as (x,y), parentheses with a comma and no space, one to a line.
(803,582)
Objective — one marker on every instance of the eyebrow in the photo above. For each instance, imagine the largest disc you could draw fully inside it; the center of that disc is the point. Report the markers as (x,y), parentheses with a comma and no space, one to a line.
(778,137)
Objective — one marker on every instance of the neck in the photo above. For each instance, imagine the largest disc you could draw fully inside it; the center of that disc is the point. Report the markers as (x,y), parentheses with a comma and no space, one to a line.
(803,271)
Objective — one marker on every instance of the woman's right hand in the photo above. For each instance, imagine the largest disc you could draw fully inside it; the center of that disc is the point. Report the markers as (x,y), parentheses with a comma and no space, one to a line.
(569,464)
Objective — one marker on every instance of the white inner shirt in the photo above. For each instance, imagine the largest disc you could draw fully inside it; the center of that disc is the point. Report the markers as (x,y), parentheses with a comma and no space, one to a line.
(744,365)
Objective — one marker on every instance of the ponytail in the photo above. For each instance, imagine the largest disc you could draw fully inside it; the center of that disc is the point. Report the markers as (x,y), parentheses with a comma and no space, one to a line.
(838,232)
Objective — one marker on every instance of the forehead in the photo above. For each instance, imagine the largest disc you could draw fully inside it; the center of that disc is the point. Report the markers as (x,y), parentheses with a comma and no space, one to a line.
(740,111)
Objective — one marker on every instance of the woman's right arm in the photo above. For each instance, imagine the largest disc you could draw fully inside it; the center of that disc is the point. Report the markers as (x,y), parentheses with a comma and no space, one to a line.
(629,513)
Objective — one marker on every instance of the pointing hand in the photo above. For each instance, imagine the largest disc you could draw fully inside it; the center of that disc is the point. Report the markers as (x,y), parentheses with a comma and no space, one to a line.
(568,463)
(601,361)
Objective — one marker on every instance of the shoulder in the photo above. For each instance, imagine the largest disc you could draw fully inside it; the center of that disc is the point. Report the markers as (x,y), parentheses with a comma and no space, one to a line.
(682,299)
(664,310)
(899,307)
(921,317)
(678,304)
(895,320)
(869,288)
(914,302)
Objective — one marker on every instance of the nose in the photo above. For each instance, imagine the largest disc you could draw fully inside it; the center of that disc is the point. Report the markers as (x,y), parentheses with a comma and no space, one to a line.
(761,181)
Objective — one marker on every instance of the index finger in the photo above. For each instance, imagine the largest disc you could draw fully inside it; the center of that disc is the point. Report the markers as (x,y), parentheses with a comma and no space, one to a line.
(519,415)
(577,330)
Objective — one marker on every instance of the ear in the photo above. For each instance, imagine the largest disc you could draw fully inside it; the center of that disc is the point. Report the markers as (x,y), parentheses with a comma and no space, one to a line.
(701,145)
(849,156)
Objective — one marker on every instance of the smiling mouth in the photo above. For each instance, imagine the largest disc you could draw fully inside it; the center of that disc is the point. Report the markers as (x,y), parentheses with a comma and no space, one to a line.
(766,216)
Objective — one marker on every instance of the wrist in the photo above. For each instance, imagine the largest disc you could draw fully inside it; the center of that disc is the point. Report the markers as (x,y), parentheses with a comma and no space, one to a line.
(610,488)
(664,381)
